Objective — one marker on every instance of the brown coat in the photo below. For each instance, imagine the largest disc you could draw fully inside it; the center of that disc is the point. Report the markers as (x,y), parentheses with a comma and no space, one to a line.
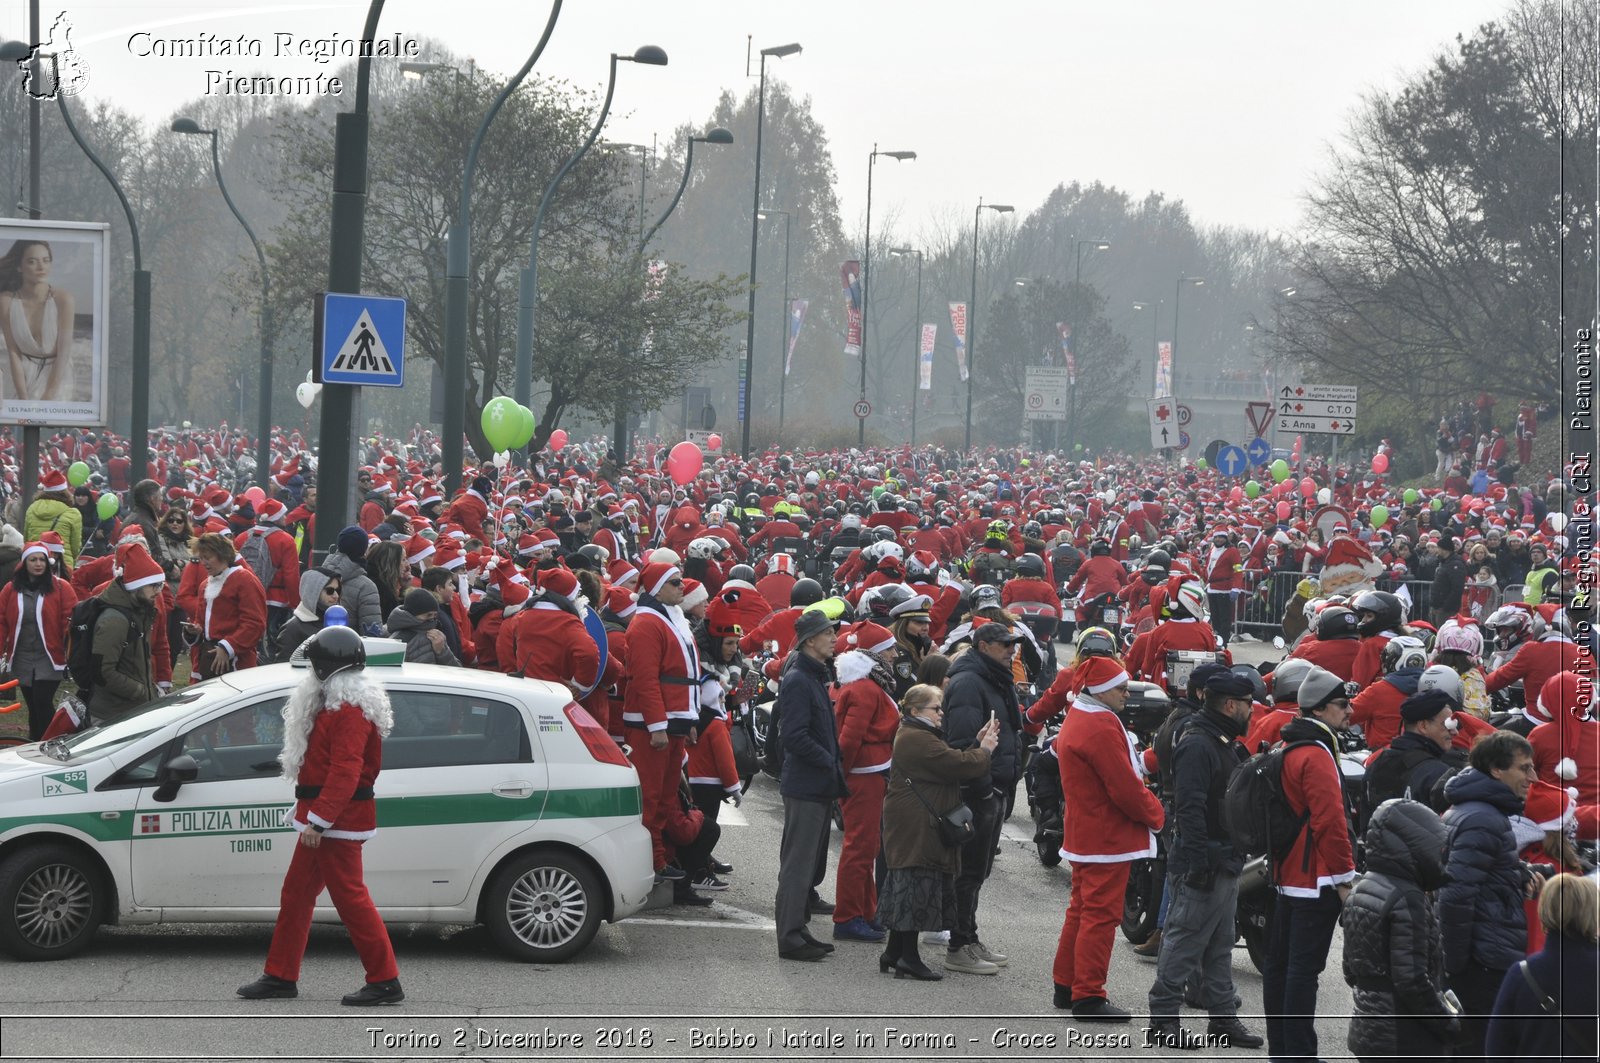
(921,754)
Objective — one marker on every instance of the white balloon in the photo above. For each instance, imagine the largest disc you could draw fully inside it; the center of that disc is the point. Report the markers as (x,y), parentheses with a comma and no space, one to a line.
(305,394)
(1558,522)
(1325,495)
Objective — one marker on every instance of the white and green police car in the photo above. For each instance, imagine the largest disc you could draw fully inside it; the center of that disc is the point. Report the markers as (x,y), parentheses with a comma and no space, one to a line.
(500,802)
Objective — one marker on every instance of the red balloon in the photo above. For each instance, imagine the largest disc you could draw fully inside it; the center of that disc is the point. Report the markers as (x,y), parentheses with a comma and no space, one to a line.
(256,495)
(1236,495)
(558,439)
(684,462)
(713,442)
(1380,463)
(1308,487)
(1284,509)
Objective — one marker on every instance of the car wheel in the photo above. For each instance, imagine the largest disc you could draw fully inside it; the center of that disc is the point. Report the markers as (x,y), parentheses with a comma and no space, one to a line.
(51,901)
(544,907)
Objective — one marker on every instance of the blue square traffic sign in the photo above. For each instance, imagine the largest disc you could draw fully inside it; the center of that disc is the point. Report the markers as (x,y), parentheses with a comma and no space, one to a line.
(360,340)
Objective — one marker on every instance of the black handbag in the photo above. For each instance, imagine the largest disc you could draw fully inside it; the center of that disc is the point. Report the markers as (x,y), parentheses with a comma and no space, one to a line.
(955,826)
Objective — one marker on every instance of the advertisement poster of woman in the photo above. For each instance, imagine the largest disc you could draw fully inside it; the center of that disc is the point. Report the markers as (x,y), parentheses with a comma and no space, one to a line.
(53,296)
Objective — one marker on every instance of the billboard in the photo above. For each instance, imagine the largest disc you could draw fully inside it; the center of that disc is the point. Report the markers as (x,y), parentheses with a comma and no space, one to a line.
(54,293)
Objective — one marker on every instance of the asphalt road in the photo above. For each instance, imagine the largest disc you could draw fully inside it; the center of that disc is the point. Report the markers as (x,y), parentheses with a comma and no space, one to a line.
(671,983)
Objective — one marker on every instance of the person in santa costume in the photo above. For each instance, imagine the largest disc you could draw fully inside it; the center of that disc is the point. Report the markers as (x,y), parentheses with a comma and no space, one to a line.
(35,614)
(1567,749)
(867,719)
(228,605)
(1110,820)
(713,774)
(333,730)
(548,639)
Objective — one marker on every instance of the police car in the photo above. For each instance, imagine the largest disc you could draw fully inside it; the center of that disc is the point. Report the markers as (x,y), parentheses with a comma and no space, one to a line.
(500,802)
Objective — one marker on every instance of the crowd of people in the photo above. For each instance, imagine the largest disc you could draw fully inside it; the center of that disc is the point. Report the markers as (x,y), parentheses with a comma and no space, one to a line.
(905,606)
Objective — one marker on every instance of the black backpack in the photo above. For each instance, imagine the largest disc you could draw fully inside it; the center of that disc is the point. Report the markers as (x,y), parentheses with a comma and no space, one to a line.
(82,665)
(1255,810)
(772,753)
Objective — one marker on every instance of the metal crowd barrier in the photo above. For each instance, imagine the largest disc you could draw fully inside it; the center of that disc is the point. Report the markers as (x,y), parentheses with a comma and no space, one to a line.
(1259,610)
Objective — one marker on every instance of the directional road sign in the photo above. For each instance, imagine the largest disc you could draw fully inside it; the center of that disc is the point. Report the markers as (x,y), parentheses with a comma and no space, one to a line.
(1258,450)
(1326,408)
(1163,422)
(1335,426)
(1044,393)
(360,339)
(1231,461)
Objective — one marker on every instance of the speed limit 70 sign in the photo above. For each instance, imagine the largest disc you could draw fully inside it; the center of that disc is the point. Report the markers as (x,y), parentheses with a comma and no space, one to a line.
(863,409)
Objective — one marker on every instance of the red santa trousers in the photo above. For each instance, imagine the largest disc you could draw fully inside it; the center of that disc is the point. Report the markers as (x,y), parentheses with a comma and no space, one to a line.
(1083,955)
(856,892)
(658,770)
(336,864)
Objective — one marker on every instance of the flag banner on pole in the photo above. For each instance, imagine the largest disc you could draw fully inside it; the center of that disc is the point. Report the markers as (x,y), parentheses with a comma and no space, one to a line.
(1064,330)
(797,317)
(850,276)
(1163,369)
(930,334)
(655,273)
(958,326)
(1072,370)
(744,385)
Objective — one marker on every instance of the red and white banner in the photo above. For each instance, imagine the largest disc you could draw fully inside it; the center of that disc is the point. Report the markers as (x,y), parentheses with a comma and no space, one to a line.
(850,277)
(1163,369)
(958,326)
(930,334)
(797,317)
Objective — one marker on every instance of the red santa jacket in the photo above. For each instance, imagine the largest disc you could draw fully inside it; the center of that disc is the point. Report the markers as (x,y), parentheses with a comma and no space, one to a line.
(334,787)
(710,760)
(663,671)
(371,515)
(1536,663)
(1265,728)
(485,636)
(1224,570)
(617,676)
(231,609)
(1377,710)
(1096,576)
(778,627)
(284,591)
(774,589)
(1030,590)
(550,643)
(1369,658)
(52,617)
(946,600)
(773,530)
(1110,816)
(1312,784)
(1549,754)
(469,511)
(1336,655)
(1061,693)
(865,715)
(1166,636)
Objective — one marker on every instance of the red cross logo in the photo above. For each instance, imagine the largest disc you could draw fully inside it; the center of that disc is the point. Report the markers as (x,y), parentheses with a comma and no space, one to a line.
(1162,412)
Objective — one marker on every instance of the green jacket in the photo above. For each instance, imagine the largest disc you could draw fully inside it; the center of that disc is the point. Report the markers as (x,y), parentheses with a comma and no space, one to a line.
(122,654)
(47,514)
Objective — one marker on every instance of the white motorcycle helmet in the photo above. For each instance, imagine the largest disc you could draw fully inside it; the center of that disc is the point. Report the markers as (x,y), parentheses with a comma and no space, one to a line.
(1191,598)
(1442,677)
(703,548)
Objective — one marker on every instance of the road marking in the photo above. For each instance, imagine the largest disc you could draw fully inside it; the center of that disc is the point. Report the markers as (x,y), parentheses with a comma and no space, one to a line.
(732,919)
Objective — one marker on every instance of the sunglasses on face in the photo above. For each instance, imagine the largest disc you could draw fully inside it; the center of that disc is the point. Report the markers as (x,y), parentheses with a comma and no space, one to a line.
(330,590)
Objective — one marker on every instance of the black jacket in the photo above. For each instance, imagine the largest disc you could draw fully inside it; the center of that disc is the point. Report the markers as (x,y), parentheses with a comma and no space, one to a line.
(976,690)
(803,715)
(1393,959)
(1449,580)
(1411,766)
(1482,902)
(1167,736)
(1565,968)
(1203,761)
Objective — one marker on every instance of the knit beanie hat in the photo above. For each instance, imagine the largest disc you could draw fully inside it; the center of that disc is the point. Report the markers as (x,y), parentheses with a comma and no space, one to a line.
(352,542)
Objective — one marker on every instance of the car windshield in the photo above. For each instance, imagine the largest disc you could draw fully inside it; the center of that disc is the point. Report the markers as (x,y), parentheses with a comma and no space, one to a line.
(99,741)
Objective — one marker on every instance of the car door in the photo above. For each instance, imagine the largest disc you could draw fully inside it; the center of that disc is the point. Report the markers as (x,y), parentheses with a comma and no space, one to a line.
(459,777)
(224,840)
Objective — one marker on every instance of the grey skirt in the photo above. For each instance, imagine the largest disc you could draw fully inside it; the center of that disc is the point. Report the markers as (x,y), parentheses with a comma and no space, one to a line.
(917,898)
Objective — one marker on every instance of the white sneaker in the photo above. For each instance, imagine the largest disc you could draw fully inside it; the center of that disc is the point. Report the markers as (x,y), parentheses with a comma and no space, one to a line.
(984,952)
(936,937)
(967,961)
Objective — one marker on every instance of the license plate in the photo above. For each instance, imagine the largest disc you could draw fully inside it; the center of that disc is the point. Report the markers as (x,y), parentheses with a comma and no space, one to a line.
(1111,616)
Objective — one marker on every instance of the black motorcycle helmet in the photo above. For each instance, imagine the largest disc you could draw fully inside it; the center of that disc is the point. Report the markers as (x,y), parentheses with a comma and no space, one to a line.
(1100,548)
(1258,685)
(1377,611)
(1157,566)
(887,597)
(1337,622)
(1030,566)
(1033,530)
(588,556)
(335,649)
(805,592)
(1096,642)
(744,572)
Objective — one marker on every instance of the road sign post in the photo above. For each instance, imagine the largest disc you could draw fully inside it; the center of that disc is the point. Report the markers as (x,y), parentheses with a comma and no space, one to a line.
(1326,409)
(360,340)
(1258,451)
(863,409)
(1232,461)
(1045,391)
(1163,413)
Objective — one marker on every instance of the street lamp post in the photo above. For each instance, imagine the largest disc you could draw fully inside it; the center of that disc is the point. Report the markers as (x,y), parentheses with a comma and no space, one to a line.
(1177,305)
(916,336)
(528,291)
(866,280)
(972,311)
(264,387)
(139,430)
(779,51)
(1077,281)
(458,262)
(783,329)
(718,135)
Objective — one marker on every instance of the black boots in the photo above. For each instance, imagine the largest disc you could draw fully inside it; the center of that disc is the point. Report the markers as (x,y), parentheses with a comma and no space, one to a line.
(375,993)
(269,988)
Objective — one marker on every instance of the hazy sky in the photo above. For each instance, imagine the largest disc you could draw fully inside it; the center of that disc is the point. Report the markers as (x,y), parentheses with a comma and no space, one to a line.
(1228,105)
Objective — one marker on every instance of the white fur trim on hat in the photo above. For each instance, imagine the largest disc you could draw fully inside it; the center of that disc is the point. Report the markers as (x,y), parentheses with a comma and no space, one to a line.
(1566,769)
(1115,681)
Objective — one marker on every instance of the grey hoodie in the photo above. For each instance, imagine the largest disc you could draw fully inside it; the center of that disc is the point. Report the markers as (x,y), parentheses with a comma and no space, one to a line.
(358,595)
(414,633)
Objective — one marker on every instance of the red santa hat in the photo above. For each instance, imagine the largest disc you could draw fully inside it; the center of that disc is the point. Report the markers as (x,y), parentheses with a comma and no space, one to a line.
(271,511)
(619,600)
(52,542)
(1565,698)
(39,550)
(418,550)
(655,576)
(290,470)
(722,615)
(447,554)
(868,638)
(513,592)
(559,581)
(1099,674)
(622,573)
(694,593)
(1549,806)
(53,480)
(428,492)
(137,567)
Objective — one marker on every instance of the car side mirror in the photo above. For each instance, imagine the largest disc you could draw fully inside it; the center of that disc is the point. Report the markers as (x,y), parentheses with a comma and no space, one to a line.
(173,774)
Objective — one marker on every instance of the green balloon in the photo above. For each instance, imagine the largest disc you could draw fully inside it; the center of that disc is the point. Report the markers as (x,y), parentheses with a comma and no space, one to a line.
(108,506)
(77,474)
(1410,496)
(1251,489)
(1436,505)
(1201,463)
(500,422)
(1380,516)
(1077,448)
(877,491)
(1280,470)
(526,423)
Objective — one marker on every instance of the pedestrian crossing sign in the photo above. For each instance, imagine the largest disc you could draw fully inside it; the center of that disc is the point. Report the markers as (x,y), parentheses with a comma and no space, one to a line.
(360,340)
